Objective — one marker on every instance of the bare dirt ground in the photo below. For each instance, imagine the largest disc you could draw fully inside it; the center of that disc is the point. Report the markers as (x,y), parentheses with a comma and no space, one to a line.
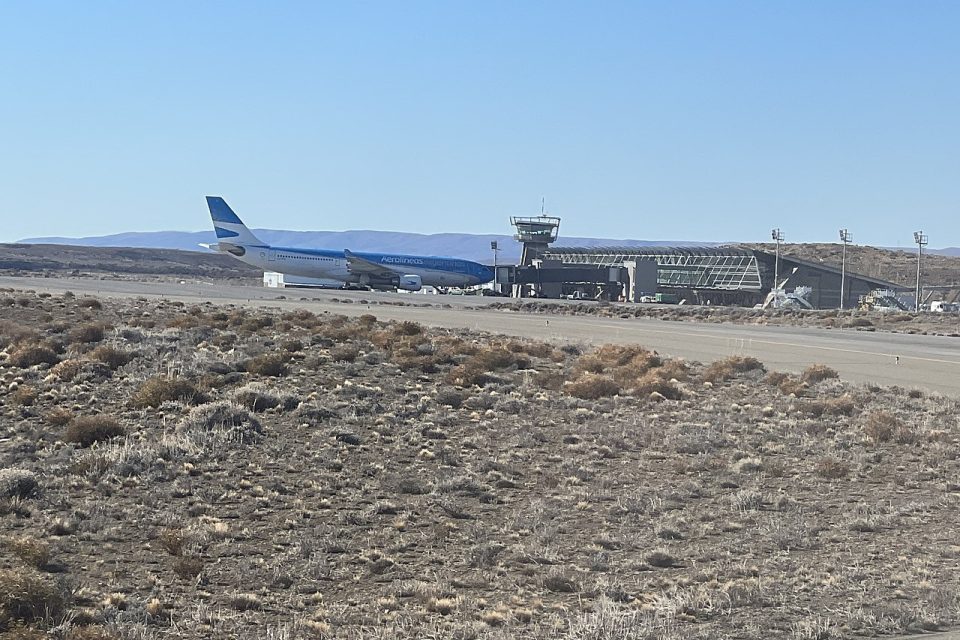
(214,472)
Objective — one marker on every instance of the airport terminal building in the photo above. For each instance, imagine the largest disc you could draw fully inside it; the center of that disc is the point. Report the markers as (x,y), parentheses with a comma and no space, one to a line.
(726,275)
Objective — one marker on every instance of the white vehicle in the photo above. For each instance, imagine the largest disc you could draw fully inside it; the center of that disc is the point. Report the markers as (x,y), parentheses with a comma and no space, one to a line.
(939,306)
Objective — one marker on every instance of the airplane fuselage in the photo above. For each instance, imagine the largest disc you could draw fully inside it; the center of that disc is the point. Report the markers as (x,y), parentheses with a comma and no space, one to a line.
(333,265)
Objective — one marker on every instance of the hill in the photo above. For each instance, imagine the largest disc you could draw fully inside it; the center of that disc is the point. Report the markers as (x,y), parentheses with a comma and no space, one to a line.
(58,259)
(895,265)
(462,245)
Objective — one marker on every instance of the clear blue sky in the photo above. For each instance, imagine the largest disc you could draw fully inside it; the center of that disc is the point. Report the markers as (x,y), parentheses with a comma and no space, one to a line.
(650,120)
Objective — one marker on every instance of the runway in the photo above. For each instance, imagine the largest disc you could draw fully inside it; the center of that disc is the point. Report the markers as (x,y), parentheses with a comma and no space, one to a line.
(931,363)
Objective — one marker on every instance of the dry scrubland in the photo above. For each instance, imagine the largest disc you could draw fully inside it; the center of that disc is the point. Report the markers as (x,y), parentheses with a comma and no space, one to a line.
(205,472)
(943,324)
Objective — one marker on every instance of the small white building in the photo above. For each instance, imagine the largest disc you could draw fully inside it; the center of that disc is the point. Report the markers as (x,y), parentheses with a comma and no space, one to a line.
(277,280)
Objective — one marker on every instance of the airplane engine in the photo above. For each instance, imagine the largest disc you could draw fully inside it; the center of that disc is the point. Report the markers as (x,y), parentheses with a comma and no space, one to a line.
(410,283)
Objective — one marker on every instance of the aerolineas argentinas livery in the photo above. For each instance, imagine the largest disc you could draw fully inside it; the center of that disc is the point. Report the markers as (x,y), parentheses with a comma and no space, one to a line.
(375,270)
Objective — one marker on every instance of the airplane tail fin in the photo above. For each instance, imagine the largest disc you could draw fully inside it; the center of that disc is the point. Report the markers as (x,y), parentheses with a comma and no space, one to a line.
(230,228)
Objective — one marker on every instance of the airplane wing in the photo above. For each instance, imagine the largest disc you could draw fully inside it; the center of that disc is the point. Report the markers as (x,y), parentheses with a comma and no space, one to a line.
(372,269)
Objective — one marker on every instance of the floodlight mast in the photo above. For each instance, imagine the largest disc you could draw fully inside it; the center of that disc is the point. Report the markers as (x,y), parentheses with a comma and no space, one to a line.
(921,240)
(845,238)
(776,235)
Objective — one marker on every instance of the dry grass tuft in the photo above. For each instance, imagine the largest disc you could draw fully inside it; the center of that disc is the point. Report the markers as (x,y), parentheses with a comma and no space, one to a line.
(407,328)
(34,354)
(67,370)
(111,356)
(816,373)
(842,406)
(24,395)
(880,426)
(656,381)
(592,386)
(86,333)
(27,597)
(832,468)
(33,552)
(729,368)
(87,430)
(224,420)
(18,483)
(786,383)
(269,364)
(160,389)
(256,397)
(58,417)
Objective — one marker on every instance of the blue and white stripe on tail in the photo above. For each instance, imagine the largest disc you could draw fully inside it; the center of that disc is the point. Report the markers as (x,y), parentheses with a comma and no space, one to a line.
(230,229)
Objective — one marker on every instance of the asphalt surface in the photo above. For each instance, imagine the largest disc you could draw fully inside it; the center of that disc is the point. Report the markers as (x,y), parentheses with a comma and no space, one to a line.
(931,363)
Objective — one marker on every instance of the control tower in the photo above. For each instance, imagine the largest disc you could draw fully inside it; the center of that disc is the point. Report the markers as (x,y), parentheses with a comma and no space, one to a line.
(535,234)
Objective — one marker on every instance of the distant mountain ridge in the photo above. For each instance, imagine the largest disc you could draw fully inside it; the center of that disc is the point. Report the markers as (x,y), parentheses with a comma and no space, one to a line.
(460,245)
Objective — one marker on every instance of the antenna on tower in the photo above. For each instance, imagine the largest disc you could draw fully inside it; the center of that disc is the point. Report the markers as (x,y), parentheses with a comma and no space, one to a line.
(543,204)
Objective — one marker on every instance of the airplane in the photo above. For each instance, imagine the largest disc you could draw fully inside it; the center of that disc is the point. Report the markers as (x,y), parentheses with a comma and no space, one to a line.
(381,271)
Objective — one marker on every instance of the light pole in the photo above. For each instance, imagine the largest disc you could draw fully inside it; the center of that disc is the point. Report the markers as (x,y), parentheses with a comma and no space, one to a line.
(845,239)
(921,240)
(495,248)
(777,235)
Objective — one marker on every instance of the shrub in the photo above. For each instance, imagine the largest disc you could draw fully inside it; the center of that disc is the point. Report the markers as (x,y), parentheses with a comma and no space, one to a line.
(881,425)
(86,333)
(816,373)
(268,364)
(25,395)
(293,345)
(57,417)
(227,421)
(450,398)
(654,382)
(27,596)
(842,406)
(111,356)
(160,389)
(34,354)
(614,355)
(592,386)
(34,553)
(173,541)
(728,368)
(89,303)
(87,430)
(832,468)
(786,383)
(256,397)
(67,370)
(345,353)
(552,380)
(18,483)
(407,328)
(187,567)
(468,374)
(660,559)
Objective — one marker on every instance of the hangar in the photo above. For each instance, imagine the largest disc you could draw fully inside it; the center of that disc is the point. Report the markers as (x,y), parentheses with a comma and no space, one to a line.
(728,275)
